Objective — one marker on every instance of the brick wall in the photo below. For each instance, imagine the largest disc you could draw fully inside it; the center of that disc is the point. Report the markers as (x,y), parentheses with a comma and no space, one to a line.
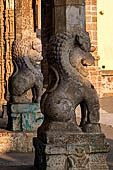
(107,82)
(91,25)
(95,77)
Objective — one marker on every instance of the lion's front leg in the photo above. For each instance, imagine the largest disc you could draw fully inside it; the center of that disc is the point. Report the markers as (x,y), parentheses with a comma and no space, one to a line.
(93,113)
(83,113)
(37,91)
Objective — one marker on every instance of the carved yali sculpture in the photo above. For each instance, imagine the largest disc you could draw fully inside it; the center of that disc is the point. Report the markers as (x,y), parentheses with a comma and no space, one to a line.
(27,73)
(68,56)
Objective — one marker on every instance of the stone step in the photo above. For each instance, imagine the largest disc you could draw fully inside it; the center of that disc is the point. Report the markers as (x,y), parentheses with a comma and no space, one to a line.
(17,161)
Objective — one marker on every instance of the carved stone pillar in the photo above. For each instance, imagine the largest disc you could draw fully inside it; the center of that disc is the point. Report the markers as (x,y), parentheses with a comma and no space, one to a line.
(24,18)
(69,14)
(59,16)
(2,70)
(9,38)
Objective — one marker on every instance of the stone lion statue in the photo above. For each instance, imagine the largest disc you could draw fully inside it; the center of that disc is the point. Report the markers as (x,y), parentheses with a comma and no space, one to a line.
(68,58)
(27,72)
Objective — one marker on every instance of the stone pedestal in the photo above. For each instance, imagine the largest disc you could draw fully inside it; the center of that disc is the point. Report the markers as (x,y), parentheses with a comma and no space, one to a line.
(70,151)
(24,117)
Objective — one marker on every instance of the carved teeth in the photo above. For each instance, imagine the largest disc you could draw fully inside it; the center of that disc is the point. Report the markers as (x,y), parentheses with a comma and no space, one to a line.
(37,62)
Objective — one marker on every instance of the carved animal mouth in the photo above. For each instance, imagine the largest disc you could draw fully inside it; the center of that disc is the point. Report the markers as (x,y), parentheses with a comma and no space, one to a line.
(85,64)
(83,69)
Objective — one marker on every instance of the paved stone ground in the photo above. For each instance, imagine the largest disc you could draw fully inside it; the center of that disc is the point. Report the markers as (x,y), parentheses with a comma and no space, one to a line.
(24,161)
(17,168)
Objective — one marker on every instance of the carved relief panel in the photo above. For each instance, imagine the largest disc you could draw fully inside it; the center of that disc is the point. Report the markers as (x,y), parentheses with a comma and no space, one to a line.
(2,81)
(8,38)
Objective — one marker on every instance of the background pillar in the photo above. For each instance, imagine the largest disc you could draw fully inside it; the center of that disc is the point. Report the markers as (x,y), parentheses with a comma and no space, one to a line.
(24,18)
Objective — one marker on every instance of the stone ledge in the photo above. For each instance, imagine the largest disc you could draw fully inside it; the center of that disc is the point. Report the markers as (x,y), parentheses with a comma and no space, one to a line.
(16,141)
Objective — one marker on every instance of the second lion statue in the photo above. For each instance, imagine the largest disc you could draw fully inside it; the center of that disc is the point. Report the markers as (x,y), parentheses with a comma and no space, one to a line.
(68,56)
(27,71)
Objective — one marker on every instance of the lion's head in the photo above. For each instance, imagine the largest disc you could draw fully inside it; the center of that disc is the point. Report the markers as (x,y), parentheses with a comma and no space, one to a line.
(80,59)
(29,47)
(71,53)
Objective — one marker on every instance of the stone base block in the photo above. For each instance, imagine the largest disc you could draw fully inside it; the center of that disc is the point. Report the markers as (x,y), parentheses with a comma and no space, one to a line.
(24,117)
(87,153)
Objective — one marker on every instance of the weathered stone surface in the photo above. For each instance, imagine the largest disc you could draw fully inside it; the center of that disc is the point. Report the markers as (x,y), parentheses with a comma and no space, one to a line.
(30,121)
(15,122)
(25,117)
(72,13)
(20,108)
(57,19)
(73,156)
(74,17)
